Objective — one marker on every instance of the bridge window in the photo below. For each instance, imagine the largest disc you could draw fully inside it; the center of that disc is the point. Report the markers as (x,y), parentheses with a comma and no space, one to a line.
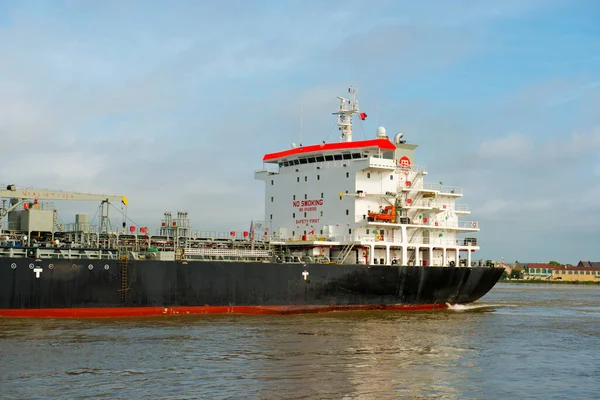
(311,159)
(320,158)
(328,158)
(303,161)
(356,155)
(337,156)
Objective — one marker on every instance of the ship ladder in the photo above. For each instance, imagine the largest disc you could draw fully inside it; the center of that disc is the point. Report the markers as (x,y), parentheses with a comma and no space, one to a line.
(344,253)
(412,258)
(124,263)
(57,224)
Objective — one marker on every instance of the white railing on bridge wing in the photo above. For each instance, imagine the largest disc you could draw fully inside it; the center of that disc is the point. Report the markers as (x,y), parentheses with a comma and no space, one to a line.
(437,241)
(440,241)
(442,189)
(451,190)
(446,224)
(462,208)
(419,168)
(412,169)
(468,224)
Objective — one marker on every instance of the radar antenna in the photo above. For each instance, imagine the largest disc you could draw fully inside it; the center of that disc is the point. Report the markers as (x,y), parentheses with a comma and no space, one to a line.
(347,108)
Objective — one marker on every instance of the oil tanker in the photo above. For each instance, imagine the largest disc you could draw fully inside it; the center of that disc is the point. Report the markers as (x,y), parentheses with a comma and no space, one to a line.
(349,225)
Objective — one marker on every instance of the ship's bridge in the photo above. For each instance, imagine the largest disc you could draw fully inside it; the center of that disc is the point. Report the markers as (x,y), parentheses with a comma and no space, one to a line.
(381,148)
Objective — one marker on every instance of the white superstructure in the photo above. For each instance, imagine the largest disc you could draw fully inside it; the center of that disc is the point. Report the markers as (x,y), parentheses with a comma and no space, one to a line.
(363,202)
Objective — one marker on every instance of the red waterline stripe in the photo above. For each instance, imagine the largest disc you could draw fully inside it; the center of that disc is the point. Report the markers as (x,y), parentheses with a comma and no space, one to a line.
(117,312)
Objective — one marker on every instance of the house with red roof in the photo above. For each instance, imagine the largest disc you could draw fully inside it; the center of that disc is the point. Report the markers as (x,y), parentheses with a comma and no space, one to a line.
(579,273)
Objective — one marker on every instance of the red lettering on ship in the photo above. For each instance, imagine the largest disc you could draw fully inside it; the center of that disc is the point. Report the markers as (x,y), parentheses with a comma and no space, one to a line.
(27,193)
(308,203)
(307,221)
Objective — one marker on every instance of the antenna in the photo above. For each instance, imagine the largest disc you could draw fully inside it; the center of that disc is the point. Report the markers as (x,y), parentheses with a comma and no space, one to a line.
(344,114)
(301,115)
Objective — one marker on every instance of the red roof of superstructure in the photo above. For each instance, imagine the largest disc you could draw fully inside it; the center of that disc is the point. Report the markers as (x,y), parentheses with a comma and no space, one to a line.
(383,144)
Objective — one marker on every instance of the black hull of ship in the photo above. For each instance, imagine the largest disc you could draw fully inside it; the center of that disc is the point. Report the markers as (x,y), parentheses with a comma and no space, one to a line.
(102,288)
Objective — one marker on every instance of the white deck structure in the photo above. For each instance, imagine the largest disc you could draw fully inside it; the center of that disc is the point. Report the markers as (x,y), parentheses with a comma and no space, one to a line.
(364,202)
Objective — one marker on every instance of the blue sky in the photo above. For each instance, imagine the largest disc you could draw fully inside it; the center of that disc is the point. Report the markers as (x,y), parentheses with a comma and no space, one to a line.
(174,104)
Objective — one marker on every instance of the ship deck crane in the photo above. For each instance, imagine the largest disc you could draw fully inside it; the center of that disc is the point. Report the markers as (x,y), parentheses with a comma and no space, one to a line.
(20,196)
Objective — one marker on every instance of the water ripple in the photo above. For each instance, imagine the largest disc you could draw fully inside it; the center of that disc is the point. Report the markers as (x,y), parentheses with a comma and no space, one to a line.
(490,350)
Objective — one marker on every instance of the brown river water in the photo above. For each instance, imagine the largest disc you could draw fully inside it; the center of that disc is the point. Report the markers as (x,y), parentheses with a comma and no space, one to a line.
(521,341)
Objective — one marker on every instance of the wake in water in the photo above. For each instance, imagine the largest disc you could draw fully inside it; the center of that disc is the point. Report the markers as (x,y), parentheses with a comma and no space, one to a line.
(471,307)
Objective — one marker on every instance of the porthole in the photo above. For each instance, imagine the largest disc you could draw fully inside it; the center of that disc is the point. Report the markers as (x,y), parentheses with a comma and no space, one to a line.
(106,267)
(50,266)
(13,266)
(90,267)
(31,266)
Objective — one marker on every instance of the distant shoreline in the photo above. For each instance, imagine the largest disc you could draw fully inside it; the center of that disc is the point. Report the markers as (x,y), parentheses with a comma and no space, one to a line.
(551,282)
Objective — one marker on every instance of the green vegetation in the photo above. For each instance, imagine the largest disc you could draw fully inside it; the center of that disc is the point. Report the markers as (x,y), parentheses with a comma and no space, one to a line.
(555,263)
(514,274)
(558,264)
(548,281)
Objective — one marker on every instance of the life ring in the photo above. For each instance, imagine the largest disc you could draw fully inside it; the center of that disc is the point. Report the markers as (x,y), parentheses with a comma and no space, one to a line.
(322,250)
(379,237)
(474,224)
(365,253)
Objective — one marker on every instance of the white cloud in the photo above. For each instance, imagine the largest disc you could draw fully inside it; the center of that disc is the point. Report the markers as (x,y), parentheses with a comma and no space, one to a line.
(562,152)
(514,146)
